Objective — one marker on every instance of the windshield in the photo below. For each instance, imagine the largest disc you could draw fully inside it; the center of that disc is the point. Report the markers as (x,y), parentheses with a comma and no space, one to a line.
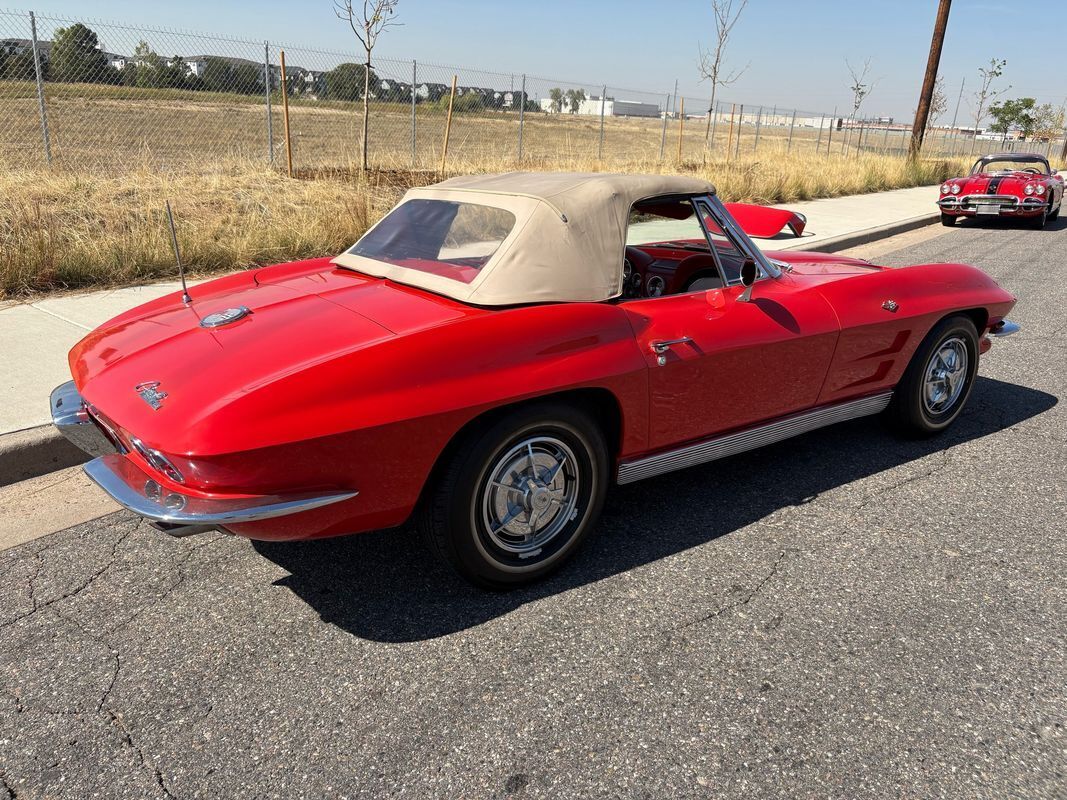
(441,237)
(1011,165)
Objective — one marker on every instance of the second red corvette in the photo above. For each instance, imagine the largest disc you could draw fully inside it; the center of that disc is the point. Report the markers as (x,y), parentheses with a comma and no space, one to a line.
(1020,185)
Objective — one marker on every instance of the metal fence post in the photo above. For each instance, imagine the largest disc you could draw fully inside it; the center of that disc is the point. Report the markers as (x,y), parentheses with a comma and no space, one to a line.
(885,138)
(792,124)
(40,90)
(663,136)
(714,123)
(818,136)
(603,100)
(522,110)
(759,119)
(830,131)
(414,80)
(266,92)
(740,127)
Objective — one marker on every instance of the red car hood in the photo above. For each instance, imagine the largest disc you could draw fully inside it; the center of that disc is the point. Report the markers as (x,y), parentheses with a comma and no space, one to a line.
(302,314)
(995,184)
(822,264)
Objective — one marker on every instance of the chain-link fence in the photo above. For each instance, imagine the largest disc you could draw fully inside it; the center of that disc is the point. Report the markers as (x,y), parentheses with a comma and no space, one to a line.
(110,96)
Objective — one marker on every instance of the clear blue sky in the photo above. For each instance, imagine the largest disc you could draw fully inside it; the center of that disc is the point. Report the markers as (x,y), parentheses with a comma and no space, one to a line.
(796,48)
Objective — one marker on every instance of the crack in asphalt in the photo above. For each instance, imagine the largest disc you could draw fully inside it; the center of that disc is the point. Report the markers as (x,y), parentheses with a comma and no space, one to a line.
(127,740)
(39,606)
(744,600)
(7,787)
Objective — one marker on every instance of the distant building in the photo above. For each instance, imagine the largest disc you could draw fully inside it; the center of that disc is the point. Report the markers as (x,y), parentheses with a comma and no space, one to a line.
(591,107)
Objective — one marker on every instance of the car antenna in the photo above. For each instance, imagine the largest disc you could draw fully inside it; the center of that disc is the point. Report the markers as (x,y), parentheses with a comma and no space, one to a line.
(178,256)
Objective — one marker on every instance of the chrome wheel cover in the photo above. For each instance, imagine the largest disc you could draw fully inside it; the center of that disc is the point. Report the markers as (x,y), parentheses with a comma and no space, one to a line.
(945,377)
(530,495)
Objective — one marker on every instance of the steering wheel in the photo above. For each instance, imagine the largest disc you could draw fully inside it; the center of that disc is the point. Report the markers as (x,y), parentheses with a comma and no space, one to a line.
(1032,170)
(639,262)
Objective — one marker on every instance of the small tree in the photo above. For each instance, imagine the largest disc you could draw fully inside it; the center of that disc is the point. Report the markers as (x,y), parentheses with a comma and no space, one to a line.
(348,82)
(860,86)
(555,95)
(1013,115)
(574,99)
(986,94)
(20,67)
(367,24)
(76,56)
(1049,121)
(711,63)
(938,102)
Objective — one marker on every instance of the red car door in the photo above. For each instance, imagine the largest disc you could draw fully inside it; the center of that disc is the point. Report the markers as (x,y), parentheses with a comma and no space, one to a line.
(724,363)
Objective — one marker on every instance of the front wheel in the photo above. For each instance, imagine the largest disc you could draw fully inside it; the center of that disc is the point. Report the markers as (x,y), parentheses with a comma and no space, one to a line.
(1039,220)
(948,220)
(516,499)
(938,380)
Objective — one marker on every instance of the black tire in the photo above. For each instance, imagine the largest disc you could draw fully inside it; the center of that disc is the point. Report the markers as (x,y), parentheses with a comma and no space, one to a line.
(1039,220)
(948,220)
(455,518)
(911,412)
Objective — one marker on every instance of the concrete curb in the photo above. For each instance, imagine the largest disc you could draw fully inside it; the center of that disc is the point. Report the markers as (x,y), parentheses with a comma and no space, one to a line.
(35,451)
(856,238)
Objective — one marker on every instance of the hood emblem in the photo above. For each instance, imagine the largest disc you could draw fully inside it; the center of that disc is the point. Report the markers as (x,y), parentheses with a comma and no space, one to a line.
(149,391)
(220,318)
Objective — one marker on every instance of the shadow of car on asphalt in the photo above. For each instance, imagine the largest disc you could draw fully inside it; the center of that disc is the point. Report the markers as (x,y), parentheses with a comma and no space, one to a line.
(382,586)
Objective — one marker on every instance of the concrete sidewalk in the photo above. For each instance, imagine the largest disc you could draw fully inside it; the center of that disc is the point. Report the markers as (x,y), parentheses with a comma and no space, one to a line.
(37,335)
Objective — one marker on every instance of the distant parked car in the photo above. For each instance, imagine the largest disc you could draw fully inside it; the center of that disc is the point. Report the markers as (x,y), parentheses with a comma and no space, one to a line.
(494,353)
(1005,185)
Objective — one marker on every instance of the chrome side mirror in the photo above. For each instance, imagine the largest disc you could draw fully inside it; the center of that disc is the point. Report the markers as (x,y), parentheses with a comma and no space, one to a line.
(749,273)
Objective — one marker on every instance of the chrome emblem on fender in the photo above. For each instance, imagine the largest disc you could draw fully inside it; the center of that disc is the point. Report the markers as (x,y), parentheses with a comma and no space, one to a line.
(890,305)
(225,317)
(150,394)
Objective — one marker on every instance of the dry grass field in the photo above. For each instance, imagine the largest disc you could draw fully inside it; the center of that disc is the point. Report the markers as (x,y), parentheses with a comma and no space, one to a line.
(95,217)
(61,229)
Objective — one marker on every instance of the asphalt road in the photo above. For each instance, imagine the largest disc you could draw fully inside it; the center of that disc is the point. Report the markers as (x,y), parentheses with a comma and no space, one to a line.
(844,615)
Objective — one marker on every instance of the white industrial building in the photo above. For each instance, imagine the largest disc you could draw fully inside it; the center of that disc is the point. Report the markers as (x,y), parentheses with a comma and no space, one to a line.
(591,107)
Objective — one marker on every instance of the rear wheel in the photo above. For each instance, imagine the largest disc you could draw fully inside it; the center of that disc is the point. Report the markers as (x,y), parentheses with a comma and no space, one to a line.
(948,220)
(938,381)
(517,498)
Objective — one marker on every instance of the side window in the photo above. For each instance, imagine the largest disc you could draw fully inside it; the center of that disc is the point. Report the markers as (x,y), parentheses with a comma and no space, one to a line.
(665,222)
(730,255)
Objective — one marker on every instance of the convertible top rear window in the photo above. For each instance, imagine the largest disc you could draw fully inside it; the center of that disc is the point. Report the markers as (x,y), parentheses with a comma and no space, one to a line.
(441,237)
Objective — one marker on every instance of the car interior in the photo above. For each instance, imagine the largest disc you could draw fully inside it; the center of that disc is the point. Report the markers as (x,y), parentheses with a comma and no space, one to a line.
(668,252)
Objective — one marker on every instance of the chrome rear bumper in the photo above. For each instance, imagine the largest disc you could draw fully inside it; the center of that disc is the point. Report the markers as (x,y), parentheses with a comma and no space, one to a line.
(173,512)
(71,416)
(181,514)
(1004,328)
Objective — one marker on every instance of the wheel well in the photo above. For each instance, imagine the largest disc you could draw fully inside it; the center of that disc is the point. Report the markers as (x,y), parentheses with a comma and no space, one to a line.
(979,316)
(601,404)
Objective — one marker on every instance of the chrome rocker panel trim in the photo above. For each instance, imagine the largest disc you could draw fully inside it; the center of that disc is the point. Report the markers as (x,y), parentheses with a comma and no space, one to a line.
(750,438)
(1005,328)
(70,415)
(180,514)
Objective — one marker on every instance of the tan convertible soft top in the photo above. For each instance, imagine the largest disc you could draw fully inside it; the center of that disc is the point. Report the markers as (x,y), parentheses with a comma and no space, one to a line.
(566,245)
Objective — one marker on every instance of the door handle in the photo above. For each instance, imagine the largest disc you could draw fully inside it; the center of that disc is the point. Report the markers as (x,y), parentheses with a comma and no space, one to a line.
(661,346)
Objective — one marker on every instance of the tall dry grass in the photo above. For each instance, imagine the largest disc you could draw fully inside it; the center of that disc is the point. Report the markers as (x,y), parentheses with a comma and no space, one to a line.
(64,230)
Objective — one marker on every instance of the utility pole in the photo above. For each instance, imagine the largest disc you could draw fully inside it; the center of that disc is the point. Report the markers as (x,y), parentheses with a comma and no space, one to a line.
(922,114)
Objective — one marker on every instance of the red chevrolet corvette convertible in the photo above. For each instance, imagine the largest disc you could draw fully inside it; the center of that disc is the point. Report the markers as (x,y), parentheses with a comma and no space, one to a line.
(493,354)
(1019,185)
